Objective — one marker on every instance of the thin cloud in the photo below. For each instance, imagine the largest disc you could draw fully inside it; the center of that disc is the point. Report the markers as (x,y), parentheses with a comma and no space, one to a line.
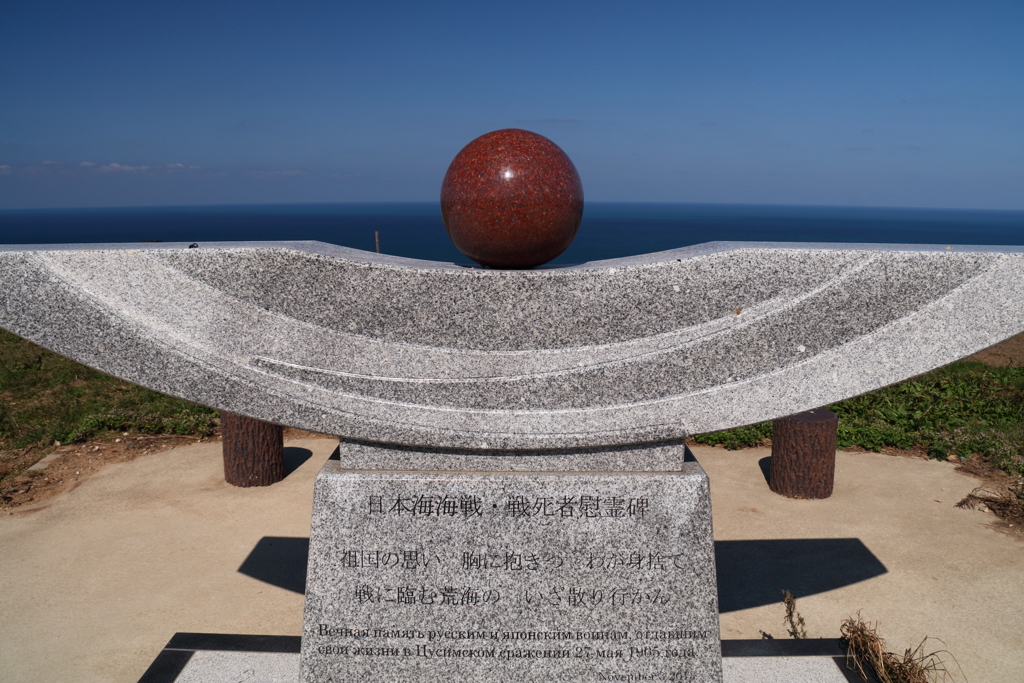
(4,143)
(859,149)
(135,169)
(90,167)
(5,169)
(120,168)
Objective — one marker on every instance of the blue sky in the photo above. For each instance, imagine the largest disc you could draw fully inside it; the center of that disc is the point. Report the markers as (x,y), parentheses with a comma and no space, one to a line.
(833,103)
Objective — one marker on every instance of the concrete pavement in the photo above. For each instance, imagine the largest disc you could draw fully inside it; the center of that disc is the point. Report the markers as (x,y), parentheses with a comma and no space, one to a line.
(94,584)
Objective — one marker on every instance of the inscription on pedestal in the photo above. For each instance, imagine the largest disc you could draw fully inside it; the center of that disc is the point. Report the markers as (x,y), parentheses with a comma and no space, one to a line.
(522,576)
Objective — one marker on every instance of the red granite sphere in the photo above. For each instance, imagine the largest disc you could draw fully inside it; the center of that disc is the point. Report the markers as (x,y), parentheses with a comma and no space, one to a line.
(512,199)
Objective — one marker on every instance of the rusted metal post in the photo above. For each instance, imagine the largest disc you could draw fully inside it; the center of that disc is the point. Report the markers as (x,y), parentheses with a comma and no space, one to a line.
(253,450)
(804,454)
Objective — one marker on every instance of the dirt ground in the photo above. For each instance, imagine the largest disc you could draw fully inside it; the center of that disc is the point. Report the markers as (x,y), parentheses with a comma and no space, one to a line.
(33,490)
(1009,352)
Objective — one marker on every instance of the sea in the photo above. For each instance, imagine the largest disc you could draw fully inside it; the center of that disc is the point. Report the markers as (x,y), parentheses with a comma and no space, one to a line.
(608,230)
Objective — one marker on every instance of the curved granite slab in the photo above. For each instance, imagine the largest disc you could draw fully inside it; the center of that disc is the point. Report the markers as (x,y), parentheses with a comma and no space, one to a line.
(419,353)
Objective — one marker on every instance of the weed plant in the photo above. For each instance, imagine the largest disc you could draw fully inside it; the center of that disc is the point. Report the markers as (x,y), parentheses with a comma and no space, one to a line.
(866,653)
(46,398)
(795,625)
(962,409)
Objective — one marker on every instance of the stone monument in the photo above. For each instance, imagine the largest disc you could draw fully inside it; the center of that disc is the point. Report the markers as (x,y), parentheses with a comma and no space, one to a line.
(511,496)
(581,564)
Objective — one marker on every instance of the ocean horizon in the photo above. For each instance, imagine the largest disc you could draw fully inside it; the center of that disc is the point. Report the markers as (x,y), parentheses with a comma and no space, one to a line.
(608,229)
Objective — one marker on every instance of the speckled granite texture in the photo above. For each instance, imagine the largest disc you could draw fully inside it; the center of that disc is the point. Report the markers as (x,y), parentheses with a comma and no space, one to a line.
(457,575)
(667,456)
(394,350)
(512,199)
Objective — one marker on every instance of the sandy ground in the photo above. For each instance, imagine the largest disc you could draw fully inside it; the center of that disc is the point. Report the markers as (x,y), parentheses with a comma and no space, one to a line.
(948,573)
(94,583)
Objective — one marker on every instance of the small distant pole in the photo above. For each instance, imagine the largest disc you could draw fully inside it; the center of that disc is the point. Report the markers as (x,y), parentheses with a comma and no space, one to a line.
(376,237)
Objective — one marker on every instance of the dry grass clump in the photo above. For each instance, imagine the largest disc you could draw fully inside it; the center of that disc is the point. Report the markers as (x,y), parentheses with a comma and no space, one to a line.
(1009,506)
(866,651)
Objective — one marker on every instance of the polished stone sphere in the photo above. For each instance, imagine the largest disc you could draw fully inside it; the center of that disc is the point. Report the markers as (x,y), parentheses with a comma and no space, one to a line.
(512,199)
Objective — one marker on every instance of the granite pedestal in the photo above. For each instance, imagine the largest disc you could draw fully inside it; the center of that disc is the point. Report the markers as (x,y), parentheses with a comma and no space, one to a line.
(445,566)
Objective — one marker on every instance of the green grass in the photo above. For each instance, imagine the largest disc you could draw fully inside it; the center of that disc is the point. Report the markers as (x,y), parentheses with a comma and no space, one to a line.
(963,409)
(46,398)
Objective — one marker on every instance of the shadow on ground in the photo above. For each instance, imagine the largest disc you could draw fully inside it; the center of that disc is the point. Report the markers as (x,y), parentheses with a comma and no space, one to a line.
(294,458)
(754,573)
(279,561)
(750,573)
